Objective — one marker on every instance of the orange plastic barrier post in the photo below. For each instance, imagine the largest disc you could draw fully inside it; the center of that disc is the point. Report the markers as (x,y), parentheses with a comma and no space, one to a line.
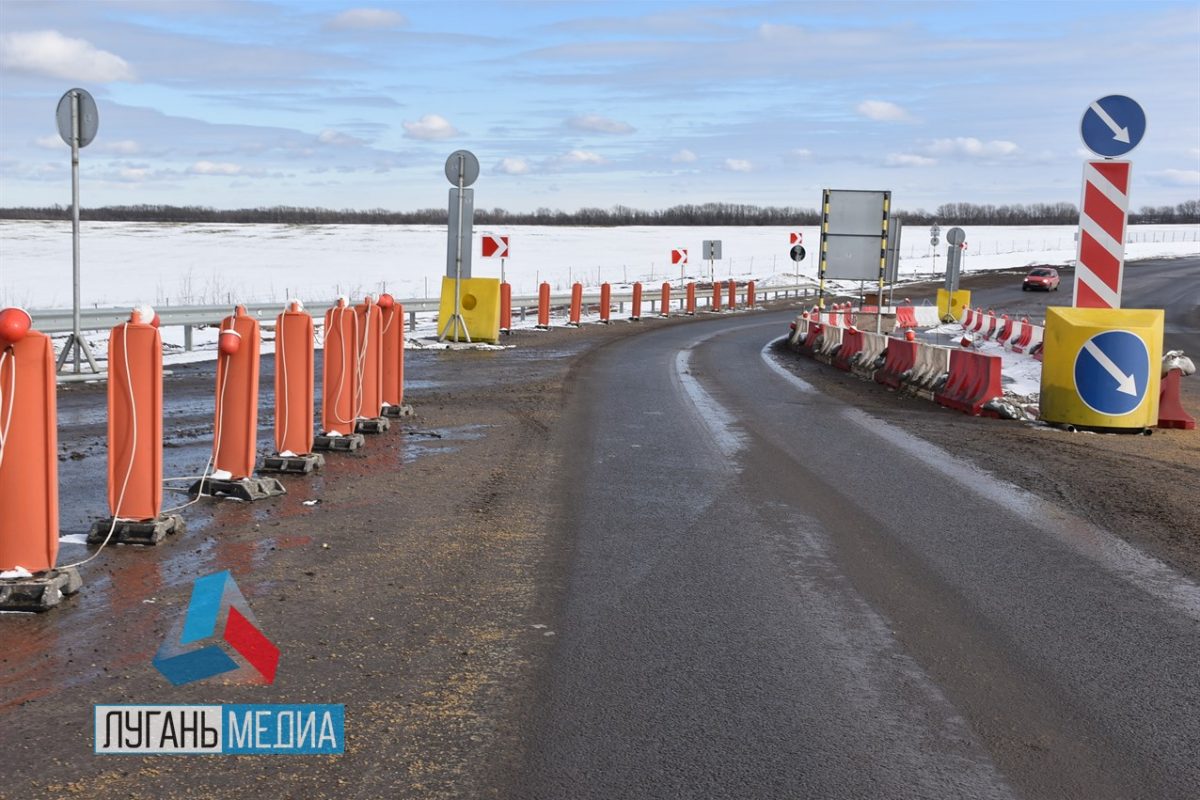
(370,358)
(637,302)
(294,381)
(544,306)
(666,300)
(135,416)
(716,300)
(235,432)
(339,383)
(750,294)
(28,446)
(691,299)
(732,295)
(605,302)
(576,302)
(505,308)
(393,352)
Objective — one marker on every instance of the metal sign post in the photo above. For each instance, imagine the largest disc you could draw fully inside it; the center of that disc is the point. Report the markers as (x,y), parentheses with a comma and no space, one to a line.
(78,121)
(462,169)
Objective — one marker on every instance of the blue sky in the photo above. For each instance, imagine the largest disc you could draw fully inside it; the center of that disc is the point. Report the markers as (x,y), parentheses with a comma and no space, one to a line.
(572,104)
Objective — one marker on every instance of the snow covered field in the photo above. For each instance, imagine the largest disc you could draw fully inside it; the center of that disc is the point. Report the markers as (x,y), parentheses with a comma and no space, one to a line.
(178,264)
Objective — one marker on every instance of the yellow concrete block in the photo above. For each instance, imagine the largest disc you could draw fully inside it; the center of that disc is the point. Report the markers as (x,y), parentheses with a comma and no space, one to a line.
(1101,367)
(479,306)
(952,305)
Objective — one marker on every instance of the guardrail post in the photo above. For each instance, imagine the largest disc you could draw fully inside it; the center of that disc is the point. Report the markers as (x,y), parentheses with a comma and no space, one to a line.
(187,338)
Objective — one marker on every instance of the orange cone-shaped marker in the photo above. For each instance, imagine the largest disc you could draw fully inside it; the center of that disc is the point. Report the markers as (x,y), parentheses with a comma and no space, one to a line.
(393,350)
(732,295)
(235,431)
(666,300)
(605,302)
(637,302)
(505,308)
(544,306)
(28,445)
(716,303)
(294,381)
(339,383)
(135,417)
(576,302)
(691,299)
(750,294)
(370,358)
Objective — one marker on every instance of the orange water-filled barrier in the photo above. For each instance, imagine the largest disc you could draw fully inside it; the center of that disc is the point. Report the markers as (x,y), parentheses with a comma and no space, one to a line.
(576,303)
(235,430)
(691,299)
(605,302)
(28,444)
(339,383)
(750,294)
(544,306)
(732,295)
(637,302)
(716,301)
(665,308)
(135,417)
(294,381)
(393,350)
(370,358)
(505,308)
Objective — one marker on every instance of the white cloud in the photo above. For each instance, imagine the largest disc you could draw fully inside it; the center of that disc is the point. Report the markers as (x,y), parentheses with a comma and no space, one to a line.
(366,19)
(909,160)
(51,54)
(738,165)
(1178,177)
(882,111)
(121,147)
(971,147)
(800,152)
(330,136)
(50,142)
(512,166)
(215,168)
(582,157)
(430,127)
(684,156)
(595,123)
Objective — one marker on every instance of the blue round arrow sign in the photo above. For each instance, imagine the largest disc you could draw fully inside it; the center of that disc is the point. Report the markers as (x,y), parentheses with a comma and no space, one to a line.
(1112,371)
(1113,125)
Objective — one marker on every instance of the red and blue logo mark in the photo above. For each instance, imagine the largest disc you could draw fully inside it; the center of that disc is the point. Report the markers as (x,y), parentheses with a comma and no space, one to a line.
(219,635)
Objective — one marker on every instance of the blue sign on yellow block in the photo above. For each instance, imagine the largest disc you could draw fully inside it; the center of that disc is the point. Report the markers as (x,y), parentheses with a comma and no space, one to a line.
(1100,367)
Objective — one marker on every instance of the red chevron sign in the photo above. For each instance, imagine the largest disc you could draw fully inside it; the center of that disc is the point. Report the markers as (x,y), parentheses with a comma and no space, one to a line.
(495,246)
(679,256)
(795,237)
(1104,213)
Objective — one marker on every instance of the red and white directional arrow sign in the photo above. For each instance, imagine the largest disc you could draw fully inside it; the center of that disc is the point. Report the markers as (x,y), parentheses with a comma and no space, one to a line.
(495,246)
(795,237)
(1105,210)
(679,256)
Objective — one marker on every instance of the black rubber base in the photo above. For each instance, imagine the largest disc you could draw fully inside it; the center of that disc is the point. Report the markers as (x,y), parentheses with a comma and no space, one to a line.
(248,489)
(292,465)
(373,425)
(146,532)
(40,592)
(347,444)
(394,412)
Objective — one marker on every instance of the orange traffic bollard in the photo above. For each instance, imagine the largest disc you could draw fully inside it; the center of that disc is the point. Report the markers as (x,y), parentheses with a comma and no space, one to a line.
(505,308)
(235,433)
(339,381)
(732,295)
(691,299)
(605,302)
(666,300)
(370,368)
(393,358)
(716,300)
(28,446)
(544,306)
(294,391)
(637,302)
(750,294)
(135,414)
(576,303)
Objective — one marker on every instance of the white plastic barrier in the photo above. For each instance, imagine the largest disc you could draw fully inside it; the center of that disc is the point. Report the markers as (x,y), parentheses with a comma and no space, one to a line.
(933,361)
(831,339)
(873,346)
(927,316)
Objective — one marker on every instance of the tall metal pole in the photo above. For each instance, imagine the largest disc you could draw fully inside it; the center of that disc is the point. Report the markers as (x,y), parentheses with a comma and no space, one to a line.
(75,332)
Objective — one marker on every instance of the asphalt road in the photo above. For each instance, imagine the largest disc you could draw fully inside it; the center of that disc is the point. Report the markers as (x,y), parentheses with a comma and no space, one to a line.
(775,595)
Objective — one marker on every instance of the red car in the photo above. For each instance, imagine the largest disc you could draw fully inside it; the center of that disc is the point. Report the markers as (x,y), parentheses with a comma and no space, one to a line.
(1041,278)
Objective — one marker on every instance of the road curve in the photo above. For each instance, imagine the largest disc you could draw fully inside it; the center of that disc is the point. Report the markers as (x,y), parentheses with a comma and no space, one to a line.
(774,595)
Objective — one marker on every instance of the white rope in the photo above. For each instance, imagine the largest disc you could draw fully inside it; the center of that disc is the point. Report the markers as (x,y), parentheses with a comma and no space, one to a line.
(281,360)
(12,398)
(342,375)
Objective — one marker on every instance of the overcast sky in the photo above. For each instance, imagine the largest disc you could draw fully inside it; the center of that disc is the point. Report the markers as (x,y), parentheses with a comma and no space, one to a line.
(571,104)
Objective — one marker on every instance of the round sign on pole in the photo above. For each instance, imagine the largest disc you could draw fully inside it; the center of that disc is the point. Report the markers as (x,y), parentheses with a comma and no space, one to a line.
(797,253)
(933,240)
(1113,125)
(956,236)
(464,164)
(89,117)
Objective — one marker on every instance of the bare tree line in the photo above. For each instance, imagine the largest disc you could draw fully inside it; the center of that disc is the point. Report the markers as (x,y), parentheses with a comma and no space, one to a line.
(706,214)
